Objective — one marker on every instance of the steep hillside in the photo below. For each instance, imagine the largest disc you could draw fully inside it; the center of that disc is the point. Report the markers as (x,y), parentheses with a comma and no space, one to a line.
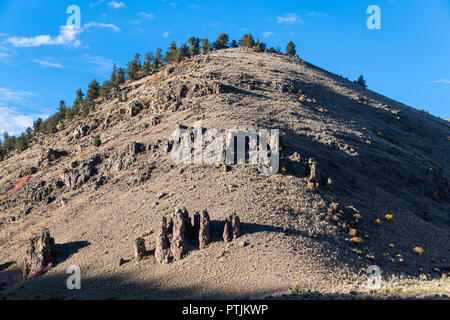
(377,159)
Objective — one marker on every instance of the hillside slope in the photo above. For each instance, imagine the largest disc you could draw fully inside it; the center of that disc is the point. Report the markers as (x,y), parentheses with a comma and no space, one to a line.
(378,157)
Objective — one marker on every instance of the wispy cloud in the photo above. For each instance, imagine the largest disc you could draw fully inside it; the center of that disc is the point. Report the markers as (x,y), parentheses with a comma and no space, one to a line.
(68,36)
(317,14)
(268,34)
(166,34)
(143,16)
(444,81)
(48,63)
(98,65)
(289,19)
(5,56)
(12,119)
(116,5)
(96,3)
(101,25)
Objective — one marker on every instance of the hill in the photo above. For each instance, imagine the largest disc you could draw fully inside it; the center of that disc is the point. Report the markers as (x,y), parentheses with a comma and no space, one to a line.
(376,158)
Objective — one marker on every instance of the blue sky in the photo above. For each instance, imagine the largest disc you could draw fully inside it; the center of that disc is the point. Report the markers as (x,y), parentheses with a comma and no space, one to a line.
(41,62)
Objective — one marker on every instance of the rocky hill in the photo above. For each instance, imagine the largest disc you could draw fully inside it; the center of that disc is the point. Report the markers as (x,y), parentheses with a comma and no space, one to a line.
(363,181)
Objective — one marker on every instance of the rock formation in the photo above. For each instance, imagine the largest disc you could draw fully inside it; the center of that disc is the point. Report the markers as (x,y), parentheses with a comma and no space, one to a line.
(40,255)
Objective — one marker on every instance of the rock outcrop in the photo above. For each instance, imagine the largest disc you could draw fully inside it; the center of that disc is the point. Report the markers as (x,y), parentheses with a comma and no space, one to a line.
(40,255)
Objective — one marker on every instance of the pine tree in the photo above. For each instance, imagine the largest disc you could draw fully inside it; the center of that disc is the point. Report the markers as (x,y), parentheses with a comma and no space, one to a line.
(260,46)
(157,60)
(78,103)
(171,53)
(195,46)
(361,81)
(120,77)
(183,52)
(21,143)
(234,44)
(105,90)
(147,67)
(113,78)
(206,46)
(134,67)
(62,110)
(221,42)
(37,125)
(247,41)
(92,94)
(290,48)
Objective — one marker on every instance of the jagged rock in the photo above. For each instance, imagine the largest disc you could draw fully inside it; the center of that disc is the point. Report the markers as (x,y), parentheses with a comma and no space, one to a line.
(162,251)
(40,255)
(232,229)
(182,91)
(135,148)
(181,223)
(204,237)
(134,108)
(81,131)
(49,155)
(139,249)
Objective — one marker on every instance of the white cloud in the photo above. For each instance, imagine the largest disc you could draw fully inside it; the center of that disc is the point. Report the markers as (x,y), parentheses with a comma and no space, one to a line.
(173,4)
(116,5)
(144,16)
(289,19)
(48,63)
(11,118)
(268,34)
(166,34)
(67,36)
(101,25)
(444,81)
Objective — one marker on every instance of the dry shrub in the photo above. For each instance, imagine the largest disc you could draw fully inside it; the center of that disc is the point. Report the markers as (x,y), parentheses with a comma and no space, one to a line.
(418,250)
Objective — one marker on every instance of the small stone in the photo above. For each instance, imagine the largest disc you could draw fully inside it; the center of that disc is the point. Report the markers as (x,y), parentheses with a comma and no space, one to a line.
(160,195)
(242,244)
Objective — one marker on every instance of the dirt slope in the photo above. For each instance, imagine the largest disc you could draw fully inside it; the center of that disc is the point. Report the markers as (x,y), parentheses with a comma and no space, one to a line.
(377,156)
